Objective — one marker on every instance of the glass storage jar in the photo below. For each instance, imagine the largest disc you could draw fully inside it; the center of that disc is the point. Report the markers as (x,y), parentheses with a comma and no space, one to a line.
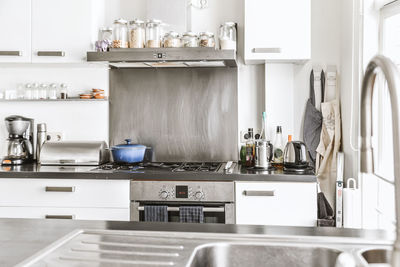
(137,34)
(105,39)
(227,36)
(35,91)
(53,91)
(207,39)
(120,34)
(43,91)
(190,39)
(172,39)
(153,33)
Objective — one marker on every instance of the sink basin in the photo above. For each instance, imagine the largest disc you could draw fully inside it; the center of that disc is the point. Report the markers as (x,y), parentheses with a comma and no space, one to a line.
(377,256)
(228,254)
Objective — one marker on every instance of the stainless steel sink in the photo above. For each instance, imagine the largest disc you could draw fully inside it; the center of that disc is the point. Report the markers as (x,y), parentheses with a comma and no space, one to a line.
(377,256)
(231,255)
(96,248)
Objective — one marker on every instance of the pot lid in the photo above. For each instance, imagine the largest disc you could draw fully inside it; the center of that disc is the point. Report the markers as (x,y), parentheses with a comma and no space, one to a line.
(129,145)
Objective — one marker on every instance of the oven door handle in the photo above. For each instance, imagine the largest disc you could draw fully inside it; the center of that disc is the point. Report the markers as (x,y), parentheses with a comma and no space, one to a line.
(205,209)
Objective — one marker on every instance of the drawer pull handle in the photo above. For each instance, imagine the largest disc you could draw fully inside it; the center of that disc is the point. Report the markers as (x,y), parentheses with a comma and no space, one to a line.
(11,53)
(68,217)
(51,53)
(270,50)
(256,193)
(60,188)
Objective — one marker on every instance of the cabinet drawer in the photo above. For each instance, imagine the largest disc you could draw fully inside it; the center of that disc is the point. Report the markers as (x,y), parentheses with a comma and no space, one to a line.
(273,203)
(65,213)
(64,193)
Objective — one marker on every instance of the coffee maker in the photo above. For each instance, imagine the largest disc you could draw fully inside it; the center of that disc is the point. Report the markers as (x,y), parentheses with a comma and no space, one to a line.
(20,140)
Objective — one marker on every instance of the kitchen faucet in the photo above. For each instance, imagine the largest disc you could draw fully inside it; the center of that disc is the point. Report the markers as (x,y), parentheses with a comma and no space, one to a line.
(367,163)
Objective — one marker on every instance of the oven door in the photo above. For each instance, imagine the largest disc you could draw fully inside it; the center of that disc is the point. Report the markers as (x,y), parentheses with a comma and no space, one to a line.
(223,213)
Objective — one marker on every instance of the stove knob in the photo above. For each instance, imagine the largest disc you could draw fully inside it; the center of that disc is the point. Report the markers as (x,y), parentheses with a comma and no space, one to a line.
(199,195)
(164,194)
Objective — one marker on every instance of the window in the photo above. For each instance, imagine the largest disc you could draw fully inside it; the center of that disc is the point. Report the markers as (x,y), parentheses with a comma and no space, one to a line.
(389,45)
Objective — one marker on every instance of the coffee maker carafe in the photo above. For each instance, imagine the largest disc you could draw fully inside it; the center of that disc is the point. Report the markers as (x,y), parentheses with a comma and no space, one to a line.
(20,140)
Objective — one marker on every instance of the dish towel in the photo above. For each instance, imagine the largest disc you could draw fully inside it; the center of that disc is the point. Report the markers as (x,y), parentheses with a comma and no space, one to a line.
(191,214)
(155,213)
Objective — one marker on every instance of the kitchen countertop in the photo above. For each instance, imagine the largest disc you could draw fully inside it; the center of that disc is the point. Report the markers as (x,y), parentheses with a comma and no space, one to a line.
(90,172)
(21,238)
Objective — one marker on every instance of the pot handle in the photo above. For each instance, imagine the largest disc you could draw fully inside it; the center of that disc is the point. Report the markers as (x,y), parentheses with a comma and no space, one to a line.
(128,141)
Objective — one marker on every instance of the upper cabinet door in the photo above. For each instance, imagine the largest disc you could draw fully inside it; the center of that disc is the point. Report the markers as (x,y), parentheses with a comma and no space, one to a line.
(62,31)
(15,21)
(277,31)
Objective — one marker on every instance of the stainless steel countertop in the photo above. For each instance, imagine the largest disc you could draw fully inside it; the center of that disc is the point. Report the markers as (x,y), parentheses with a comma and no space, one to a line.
(89,172)
(21,238)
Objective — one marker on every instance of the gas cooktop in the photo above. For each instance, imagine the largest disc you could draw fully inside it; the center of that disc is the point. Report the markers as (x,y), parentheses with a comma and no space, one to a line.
(165,166)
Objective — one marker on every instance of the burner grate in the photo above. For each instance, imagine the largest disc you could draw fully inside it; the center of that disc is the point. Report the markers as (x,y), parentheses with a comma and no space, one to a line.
(164,166)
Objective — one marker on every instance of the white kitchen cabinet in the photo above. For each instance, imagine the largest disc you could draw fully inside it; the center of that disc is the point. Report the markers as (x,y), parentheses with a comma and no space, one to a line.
(62,31)
(15,40)
(277,31)
(80,198)
(276,203)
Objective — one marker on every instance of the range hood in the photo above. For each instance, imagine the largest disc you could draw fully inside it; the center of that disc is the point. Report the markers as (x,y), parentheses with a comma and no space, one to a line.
(165,57)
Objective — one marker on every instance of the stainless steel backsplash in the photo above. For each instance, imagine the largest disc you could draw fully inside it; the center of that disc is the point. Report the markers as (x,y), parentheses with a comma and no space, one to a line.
(183,114)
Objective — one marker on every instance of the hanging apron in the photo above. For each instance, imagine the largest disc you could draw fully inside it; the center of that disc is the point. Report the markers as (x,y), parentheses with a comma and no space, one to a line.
(329,141)
(313,117)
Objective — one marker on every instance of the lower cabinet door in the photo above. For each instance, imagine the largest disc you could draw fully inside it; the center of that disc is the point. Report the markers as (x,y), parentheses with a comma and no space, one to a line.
(106,214)
(276,203)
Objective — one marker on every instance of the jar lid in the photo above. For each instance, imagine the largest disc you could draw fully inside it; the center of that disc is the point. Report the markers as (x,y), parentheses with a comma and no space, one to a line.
(208,34)
(106,29)
(120,21)
(191,34)
(172,34)
(136,21)
(153,22)
(229,24)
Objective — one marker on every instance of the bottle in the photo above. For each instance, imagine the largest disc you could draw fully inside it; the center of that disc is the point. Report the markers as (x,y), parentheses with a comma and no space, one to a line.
(250,149)
(278,148)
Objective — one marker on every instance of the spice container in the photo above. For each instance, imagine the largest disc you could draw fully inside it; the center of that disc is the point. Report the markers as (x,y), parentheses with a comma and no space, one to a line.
(53,91)
(227,36)
(137,34)
(28,91)
(43,91)
(64,91)
(153,33)
(35,91)
(172,39)
(207,39)
(190,39)
(120,34)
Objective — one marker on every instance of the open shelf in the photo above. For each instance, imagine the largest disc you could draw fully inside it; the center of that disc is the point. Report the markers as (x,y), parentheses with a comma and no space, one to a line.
(55,100)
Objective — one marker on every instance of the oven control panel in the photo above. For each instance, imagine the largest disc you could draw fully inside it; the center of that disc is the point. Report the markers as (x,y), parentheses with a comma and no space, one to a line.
(182,191)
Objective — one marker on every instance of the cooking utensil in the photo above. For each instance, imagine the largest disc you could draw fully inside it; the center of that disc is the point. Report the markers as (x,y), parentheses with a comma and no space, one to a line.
(128,153)
(295,156)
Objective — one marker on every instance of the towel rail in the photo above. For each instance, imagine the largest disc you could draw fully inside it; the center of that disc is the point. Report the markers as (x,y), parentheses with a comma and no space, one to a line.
(205,209)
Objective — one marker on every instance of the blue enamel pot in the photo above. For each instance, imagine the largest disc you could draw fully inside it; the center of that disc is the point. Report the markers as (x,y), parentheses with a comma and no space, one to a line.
(128,153)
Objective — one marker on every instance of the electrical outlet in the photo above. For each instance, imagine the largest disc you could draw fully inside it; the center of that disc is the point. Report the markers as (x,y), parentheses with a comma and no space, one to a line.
(55,136)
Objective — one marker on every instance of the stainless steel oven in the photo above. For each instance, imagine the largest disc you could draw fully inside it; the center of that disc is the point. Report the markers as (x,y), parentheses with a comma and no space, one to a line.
(216,198)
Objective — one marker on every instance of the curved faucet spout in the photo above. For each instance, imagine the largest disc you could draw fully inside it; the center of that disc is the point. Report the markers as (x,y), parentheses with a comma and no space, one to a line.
(392,77)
